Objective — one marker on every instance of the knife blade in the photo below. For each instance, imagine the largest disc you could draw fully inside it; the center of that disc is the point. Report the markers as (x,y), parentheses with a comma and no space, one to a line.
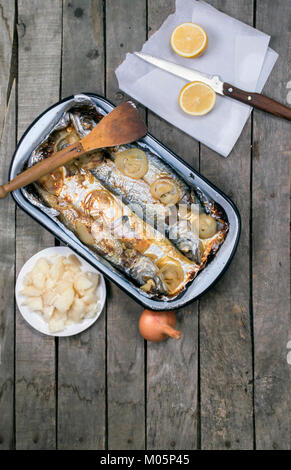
(256,100)
(190,75)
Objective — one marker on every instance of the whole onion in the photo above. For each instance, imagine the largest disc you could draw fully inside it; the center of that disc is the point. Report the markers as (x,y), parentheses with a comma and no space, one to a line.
(158,326)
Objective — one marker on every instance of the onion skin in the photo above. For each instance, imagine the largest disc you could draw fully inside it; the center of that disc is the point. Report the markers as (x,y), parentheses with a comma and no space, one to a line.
(158,326)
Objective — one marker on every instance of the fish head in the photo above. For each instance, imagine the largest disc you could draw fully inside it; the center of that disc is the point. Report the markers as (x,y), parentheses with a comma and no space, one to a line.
(53,182)
(186,239)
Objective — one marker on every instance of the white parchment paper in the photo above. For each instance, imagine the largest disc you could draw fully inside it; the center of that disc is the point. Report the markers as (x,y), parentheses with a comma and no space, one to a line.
(236,52)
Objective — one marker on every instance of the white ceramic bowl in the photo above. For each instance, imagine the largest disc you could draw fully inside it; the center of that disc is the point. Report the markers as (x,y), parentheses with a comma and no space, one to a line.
(35,319)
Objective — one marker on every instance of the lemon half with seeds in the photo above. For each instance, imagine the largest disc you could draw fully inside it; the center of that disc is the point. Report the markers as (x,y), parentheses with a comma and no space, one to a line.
(197,98)
(189,40)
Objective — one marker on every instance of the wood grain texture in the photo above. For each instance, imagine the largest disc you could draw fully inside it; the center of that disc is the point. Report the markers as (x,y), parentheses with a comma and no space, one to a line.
(83,47)
(271,268)
(7,272)
(125,31)
(81,389)
(157,407)
(39,39)
(7,14)
(7,231)
(225,324)
(81,359)
(172,373)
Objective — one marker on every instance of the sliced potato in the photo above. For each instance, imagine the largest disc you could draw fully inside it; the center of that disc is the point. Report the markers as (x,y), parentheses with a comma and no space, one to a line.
(56,324)
(48,312)
(38,279)
(57,270)
(50,283)
(42,265)
(91,309)
(72,264)
(31,291)
(27,281)
(62,286)
(49,297)
(69,276)
(59,315)
(90,296)
(94,278)
(34,303)
(64,301)
(74,261)
(77,311)
(78,306)
(81,284)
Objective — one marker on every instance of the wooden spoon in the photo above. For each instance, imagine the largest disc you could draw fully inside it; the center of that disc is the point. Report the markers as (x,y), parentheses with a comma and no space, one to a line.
(122,126)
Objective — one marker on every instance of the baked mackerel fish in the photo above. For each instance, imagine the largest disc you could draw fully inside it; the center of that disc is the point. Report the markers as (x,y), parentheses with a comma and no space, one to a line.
(129,207)
(99,238)
(159,196)
(115,228)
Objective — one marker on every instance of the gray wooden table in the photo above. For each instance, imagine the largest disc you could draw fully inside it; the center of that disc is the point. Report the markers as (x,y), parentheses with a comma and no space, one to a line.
(226,384)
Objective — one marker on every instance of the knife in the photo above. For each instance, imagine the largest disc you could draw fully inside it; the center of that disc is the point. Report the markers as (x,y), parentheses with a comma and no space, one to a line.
(222,88)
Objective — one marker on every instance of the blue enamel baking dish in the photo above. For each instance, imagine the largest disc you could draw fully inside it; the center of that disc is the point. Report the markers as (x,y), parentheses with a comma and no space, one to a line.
(205,279)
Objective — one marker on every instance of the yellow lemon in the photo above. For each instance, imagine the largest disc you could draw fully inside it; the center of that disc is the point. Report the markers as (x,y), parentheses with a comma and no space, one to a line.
(197,99)
(189,40)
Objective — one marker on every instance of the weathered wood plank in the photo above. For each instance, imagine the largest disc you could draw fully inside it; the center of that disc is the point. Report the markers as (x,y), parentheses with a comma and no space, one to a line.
(172,374)
(225,335)
(39,38)
(7,230)
(7,272)
(6,42)
(125,31)
(270,222)
(125,373)
(83,47)
(81,359)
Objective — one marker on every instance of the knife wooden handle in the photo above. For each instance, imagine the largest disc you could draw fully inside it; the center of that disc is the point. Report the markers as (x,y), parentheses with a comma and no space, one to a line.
(42,168)
(257,101)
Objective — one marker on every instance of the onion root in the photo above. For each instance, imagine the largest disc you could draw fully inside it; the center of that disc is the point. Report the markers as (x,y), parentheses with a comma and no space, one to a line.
(158,326)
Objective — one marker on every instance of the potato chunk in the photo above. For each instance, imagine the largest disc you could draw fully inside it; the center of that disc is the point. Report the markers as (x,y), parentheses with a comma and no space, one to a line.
(77,311)
(61,291)
(57,270)
(56,324)
(42,265)
(34,303)
(74,261)
(31,291)
(48,312)
(64,301)
(38,279)
(81,284)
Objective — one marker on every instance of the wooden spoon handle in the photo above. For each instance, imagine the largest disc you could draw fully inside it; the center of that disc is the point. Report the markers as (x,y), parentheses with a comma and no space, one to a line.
(257,101)
(42,168)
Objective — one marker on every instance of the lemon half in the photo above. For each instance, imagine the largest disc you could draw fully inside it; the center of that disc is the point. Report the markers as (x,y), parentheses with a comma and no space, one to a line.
(189,40)
(197,98)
